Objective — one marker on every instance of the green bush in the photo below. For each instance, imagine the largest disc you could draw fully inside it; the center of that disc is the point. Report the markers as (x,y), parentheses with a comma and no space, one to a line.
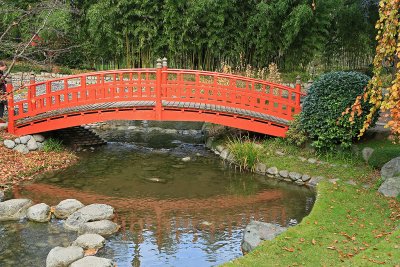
(327,99)
(296,135)
(52,144)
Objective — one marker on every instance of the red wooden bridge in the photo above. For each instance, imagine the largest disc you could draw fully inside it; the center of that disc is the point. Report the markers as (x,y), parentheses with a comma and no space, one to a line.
(153,94)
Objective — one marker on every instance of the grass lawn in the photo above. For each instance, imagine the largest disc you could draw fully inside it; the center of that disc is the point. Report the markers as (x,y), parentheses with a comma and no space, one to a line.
(348,226)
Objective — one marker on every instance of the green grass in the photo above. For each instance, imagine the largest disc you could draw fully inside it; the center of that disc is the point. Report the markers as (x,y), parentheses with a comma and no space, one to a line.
(385,150)
(52,144)
(348,226)
(343,165)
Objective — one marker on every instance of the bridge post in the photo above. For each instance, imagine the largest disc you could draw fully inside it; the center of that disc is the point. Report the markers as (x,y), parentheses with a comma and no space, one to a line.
(298,93)
(164,77)
(10,100)
(158,105)
(31,92)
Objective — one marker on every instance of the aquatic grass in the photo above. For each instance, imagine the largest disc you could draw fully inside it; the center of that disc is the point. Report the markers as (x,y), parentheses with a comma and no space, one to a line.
(345,228)
(52,144)
(246,152)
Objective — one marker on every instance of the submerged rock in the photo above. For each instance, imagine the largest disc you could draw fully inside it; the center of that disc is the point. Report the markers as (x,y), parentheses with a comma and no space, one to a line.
(103,228)
(89,241)
(256,232)
(63,257)
(156,180)
(92,261)
(93,212)
(14,209)
(39,213)
(66,207)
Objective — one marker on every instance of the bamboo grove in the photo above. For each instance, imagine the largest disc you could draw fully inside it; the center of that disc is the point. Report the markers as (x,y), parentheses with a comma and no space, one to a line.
(202,34)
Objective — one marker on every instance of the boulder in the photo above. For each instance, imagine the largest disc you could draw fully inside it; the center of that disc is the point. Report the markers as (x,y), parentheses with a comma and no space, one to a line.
(256,232)
(40,146)
(226,155)
(312,161)
(93,212)
(390,187)
(260,168)
(2,196)
(391,169)
(367,153)
(32,145)
(305,177)
(315,180)
(38,138)
(17,140)
(10,144)
(21,149)
(66,207)
(284,173)
(14,209)
(39,213)
(63,257)
(24,139)
(89,241)
(272,170)
(186,159)
(92,261)
(103,228)
(294,176)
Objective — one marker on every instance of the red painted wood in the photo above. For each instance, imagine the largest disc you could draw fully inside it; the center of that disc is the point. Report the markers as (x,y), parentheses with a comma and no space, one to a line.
(161,84)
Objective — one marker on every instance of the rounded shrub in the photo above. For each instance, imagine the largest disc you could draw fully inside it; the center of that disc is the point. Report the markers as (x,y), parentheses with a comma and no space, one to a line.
(327,98)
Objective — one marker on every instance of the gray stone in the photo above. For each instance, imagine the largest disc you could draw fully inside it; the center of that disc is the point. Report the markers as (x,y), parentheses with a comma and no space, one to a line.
(1,195)
(103,228)
(315,180)
(93,212)
(39,213)
(391,169)
(279,153)
(299,182)
(10,144)
(66,208)
(17,141)
(312,161)
(351,182)
(305,177)
(14,209)
(89,241)
(63,257)
(225,154)
(92,261)
(38,138)
(273,170)
(284,173)
(256,232)
(186,159)
(209,142)
(219,148)
(260,168)
(390,187)
(367,153)
(21,149)
(32,145)
(333,181)
(24,139)
(40,146)
(302,159)
(295,176)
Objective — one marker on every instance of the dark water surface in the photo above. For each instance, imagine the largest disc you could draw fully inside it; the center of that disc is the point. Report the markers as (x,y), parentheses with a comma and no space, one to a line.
(172,213)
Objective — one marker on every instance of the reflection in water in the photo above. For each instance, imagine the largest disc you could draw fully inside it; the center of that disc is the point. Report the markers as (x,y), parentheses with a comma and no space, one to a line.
(194,217)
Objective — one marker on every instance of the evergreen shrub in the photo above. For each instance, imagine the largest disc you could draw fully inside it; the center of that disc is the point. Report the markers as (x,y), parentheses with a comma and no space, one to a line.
(328,97)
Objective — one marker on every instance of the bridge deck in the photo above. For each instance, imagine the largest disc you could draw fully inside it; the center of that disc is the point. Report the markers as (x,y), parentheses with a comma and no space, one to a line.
(109,106)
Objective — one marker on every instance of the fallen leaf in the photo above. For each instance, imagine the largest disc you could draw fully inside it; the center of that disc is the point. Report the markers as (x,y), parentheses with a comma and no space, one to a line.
(288,249)
(313,242)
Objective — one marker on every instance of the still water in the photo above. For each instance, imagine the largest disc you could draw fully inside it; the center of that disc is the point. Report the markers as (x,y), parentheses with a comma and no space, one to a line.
(172,213)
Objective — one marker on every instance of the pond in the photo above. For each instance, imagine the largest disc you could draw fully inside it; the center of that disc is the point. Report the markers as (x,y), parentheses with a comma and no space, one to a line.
(172,212)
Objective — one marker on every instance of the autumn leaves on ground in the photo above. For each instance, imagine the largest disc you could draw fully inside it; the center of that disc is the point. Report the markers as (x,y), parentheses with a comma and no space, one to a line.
(16,167)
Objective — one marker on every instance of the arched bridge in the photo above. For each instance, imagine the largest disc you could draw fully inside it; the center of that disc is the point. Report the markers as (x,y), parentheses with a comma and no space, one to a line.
(153,94)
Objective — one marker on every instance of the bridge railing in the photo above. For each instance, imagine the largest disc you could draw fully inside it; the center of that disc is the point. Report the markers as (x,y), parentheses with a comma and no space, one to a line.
(159,84)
